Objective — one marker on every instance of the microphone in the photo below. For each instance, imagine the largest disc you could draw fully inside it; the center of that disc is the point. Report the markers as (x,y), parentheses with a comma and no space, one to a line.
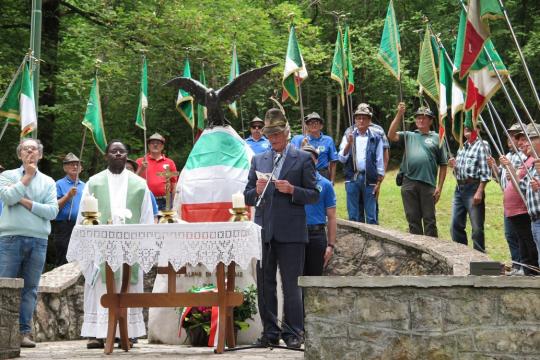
(276,162)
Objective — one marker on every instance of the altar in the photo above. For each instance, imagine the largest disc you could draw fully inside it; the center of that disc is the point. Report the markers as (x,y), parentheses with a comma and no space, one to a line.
(170,247)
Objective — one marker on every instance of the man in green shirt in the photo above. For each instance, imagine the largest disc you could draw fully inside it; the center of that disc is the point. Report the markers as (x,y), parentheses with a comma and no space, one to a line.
(421,159)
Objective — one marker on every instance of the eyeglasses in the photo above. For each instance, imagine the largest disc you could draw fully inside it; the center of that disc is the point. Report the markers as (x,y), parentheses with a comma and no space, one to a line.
(29,148)
(257,127)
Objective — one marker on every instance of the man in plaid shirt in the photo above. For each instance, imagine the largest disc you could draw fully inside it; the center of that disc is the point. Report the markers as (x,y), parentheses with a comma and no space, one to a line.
(472,174)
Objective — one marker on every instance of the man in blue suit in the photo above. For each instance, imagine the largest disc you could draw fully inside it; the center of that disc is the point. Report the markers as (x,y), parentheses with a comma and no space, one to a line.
(282,216)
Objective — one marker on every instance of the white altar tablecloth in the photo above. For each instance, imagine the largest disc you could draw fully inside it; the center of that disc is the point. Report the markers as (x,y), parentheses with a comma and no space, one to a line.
(180,244)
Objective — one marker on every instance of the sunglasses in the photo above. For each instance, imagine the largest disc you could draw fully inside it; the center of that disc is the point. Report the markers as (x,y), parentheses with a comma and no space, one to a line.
(257,127)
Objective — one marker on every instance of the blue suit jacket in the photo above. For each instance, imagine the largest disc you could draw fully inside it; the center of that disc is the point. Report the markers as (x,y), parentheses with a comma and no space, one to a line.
(282,216)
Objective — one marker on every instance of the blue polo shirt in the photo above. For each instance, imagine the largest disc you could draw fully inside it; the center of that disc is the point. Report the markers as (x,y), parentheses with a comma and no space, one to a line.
(325,145)
(62,188)
(259,146)
(316,213)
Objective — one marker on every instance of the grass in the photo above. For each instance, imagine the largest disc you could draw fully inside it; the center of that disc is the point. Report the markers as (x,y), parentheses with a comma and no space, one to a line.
(392,215)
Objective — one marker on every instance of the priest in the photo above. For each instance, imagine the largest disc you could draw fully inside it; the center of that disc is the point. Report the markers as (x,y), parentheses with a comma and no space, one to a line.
(123,198)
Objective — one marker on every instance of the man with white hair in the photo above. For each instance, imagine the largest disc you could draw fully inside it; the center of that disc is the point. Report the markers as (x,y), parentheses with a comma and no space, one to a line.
(29,198)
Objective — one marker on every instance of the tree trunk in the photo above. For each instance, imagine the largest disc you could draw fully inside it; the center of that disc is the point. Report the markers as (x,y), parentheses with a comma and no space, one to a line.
(329,113)
(49,53)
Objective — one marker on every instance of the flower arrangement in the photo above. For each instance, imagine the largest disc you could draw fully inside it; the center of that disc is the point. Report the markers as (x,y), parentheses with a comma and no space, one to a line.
(198,320)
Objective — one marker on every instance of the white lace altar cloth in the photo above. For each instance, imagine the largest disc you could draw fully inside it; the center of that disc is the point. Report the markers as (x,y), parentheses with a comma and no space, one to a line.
(180,244)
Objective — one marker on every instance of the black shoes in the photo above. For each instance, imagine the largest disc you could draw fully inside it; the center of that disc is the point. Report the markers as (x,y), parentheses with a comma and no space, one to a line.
(293,342)
(264,341)
(95,344)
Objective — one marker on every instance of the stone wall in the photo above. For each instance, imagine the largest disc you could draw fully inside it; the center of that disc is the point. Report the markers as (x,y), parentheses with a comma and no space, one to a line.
(363,249)
(10,299)
(426,317)
(59,310)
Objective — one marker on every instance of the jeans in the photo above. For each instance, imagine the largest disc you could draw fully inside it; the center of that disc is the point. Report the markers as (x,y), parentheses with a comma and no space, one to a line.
(419,207)
(527,249)
(512,240)
(463,205)
(361,202)
(535,227)
(24,257)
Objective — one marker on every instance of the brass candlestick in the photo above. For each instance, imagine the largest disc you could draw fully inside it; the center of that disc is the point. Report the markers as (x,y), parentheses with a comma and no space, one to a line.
(239,214)
(90,218)
(167,216)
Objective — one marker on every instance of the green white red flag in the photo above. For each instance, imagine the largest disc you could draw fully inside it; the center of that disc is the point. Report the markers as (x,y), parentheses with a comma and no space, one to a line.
(143,98)
(482,82)
(295,71)
(216,168)
(184,101)
(445,92)
(477,31)
(233,74)
(27,103)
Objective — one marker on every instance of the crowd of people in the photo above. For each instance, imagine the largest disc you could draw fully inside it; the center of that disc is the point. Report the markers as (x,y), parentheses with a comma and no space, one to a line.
(295,205)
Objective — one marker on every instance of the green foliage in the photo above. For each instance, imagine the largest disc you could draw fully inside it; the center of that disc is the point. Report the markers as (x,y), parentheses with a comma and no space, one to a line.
(168,31)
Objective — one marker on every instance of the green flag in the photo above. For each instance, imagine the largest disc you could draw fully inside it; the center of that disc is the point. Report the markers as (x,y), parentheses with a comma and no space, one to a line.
(390,46)
(10,109)
(337,73)
(233,74)
(143,99)
(201,110)
(93,119)
(349,70)
(427,70)
(295,69)
(184,101)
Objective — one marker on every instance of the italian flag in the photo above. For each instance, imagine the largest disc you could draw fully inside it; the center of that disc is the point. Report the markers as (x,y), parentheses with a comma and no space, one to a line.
(445,94)
(27,104)
(143,98)
(184,101)
(295,69)
(477,31)
(482,82)
(216,168)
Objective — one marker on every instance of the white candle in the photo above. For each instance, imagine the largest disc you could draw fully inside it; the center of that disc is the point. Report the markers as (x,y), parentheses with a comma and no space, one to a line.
(238,201)
(89,204)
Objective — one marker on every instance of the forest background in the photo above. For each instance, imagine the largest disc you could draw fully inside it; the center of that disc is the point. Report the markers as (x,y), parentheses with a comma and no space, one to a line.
(76,32)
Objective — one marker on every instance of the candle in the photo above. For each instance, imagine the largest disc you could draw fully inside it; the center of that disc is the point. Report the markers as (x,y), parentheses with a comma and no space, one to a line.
(89,204)
(238,201)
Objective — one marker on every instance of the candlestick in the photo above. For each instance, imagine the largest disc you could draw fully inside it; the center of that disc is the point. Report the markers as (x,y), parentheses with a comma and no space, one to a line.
(238,201)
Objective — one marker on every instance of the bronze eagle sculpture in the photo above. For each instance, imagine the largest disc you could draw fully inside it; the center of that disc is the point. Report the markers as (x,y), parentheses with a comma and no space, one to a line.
(228,94)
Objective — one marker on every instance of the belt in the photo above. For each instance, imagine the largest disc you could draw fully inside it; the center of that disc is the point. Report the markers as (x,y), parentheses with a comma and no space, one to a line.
(160,197)
(66,221)
(534,217)
(468,181)
(318,227)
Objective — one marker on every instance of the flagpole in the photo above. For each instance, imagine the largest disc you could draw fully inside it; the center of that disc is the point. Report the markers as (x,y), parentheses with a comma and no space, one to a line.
(522,58)
(78,172)
(499,151)
(495,127)
(143,115)
(301,104)
(514,147)
(515,181)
